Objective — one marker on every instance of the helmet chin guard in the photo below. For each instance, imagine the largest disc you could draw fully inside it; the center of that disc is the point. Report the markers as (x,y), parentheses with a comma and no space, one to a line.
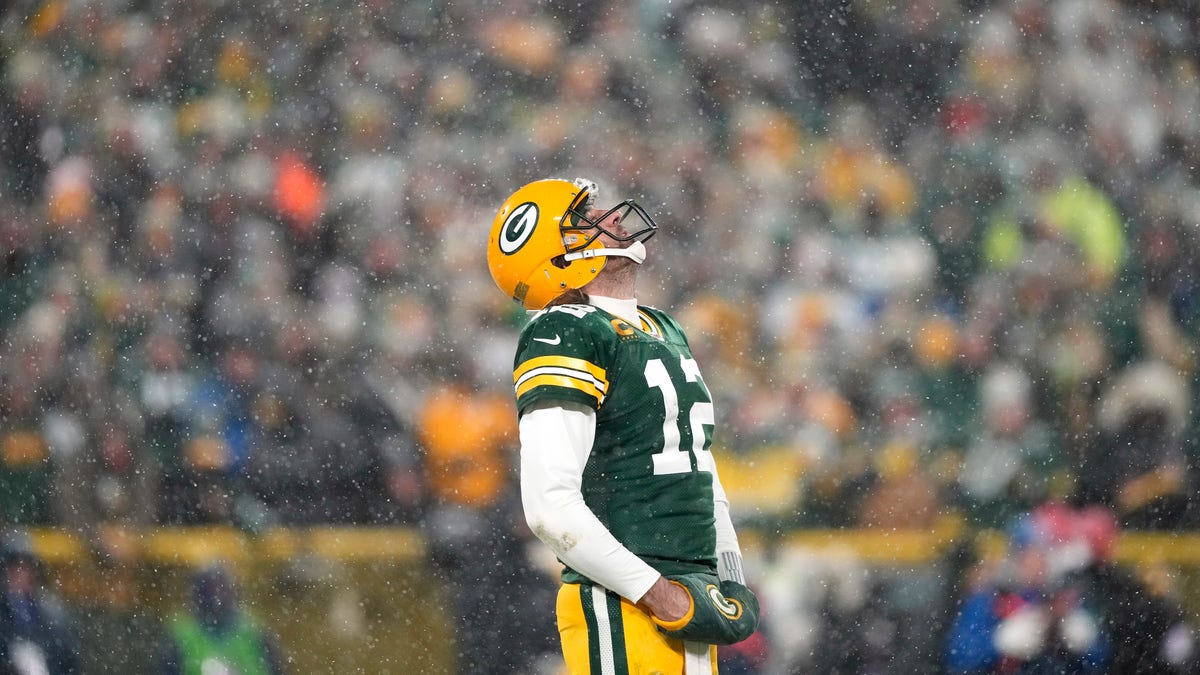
(635,252)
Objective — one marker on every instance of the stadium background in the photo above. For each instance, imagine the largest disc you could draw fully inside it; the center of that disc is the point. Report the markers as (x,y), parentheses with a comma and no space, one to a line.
(937,258)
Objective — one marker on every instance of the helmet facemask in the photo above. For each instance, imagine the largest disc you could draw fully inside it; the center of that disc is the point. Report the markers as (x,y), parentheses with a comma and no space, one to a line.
(579,231)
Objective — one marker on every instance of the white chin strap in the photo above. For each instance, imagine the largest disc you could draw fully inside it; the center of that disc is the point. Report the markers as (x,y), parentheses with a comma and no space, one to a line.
(636,252)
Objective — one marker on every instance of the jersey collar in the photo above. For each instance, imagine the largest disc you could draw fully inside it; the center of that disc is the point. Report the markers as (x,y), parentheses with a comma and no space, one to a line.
(624,308)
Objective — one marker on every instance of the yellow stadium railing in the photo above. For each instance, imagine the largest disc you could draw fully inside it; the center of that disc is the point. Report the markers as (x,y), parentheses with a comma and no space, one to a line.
(193,546)
(376,572)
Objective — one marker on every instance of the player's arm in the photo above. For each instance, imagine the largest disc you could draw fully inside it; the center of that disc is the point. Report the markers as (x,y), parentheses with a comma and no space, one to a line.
(721,609)
(556,439)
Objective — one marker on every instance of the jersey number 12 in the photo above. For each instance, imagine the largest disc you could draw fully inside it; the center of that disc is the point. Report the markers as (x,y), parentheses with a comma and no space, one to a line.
(673,459)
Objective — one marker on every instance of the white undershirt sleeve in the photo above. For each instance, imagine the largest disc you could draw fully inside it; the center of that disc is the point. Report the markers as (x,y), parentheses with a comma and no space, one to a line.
(556,441)
(729,553)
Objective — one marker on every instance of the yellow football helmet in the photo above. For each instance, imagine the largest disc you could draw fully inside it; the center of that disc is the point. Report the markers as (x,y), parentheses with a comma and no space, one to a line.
(543,243)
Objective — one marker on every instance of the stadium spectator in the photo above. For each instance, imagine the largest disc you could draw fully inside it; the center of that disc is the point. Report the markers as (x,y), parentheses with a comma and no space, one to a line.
(215,634)
(1057,599)
(1029,612)
(479,544)
(1138,466)
(38,633)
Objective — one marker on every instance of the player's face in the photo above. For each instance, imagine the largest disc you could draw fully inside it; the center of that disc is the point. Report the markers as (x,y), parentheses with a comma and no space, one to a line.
(613,224)
(624,227)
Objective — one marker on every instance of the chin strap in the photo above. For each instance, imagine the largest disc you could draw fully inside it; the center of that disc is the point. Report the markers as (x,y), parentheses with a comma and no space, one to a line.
(636,252)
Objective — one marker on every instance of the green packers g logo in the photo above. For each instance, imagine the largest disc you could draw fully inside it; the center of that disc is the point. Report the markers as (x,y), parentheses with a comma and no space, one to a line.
(518,227)
(730,609)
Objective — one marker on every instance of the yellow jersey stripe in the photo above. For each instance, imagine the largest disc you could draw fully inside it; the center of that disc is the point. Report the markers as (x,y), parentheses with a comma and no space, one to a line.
(568,362)
(558,380)
(600,385)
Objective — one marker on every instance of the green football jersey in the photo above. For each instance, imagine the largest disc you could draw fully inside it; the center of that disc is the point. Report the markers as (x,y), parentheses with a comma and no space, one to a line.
(649,476)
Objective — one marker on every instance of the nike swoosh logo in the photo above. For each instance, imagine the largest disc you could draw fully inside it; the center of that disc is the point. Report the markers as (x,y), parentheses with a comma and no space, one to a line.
(550,341)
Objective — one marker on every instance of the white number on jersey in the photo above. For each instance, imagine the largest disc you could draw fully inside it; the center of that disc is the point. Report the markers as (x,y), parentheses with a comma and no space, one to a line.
(672,459)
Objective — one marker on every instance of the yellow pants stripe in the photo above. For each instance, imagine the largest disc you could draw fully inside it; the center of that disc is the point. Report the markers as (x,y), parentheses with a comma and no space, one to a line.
(605,634)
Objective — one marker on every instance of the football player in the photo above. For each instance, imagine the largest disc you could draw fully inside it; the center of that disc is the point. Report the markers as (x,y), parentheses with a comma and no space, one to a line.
(615,426)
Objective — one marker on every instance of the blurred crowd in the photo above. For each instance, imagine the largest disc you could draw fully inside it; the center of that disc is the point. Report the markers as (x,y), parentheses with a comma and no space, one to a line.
(937,257)
(1054,602)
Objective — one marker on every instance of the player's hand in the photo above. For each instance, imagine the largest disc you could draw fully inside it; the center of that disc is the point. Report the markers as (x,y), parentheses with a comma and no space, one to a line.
(721,612)
(667,601)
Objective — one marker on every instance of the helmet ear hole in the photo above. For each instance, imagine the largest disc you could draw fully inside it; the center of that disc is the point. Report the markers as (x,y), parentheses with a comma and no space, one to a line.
(559,261)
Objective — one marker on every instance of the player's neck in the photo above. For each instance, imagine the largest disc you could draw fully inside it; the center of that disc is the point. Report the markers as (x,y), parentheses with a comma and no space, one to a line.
(624,308)
(618,280)
(614,293)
